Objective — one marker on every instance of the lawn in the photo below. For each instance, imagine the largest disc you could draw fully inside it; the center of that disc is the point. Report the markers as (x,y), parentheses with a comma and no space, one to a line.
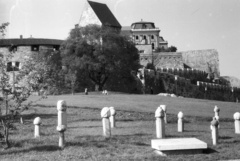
(131,140)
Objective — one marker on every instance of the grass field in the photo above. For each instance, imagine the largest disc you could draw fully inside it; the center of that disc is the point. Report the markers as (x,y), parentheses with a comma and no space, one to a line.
(131,140)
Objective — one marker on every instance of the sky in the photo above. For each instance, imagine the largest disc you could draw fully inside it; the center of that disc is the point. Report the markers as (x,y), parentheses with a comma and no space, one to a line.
(186,24)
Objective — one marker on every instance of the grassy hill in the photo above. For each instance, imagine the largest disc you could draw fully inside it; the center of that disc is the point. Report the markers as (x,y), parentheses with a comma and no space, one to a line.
(131,140)
(145,103)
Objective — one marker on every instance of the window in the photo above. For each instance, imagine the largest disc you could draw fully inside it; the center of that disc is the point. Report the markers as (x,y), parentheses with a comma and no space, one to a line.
(137,37)
(56,48)
(13,48)
(13,66)
(144,37)
(35,48)
(153,47)
(141,51)
(152,36)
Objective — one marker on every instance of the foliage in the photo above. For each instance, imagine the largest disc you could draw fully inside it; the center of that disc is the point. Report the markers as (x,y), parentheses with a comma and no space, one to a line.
(12,99)
(3,28)
(13,94)
(169,49)
(166,83)
(150,66)
(43,71)
(99,53)
(172,49)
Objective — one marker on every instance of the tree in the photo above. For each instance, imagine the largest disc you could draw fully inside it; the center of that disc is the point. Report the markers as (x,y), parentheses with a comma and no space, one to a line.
(3,28)
(12,98)
(172,49)
(99,52)
(169,49)
(43,71)
(150,66)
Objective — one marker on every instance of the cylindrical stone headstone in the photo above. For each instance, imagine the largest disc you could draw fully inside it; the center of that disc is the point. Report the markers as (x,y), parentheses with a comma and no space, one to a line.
(236,117)
(214,127)
(62,112)
(180,122)
(105,114)
(61,130)
(112,117)
(62,121)
(164,108)
(160,125)
(37,123)
(216,110)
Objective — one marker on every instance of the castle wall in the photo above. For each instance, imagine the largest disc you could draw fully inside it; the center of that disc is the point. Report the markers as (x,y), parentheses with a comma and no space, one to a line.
(168,60)
(206,60)
(145,52)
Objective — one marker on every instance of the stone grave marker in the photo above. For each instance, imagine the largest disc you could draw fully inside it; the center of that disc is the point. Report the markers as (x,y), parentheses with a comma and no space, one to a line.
(105,114)
(37,122)
(62,121)
(216,110)
(214,128)
(112,117)
(180,122)
(160,125)
(164,107)
(236,117)
(178,146)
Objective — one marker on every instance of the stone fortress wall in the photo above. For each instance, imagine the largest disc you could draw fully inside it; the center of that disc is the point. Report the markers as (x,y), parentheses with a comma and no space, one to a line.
(206,60)
(202,60)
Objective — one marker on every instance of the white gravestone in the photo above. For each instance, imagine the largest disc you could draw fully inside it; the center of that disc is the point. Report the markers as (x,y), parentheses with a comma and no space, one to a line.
(236,117)
(160,125)
(164,107)
(214,128)
(180,122)
(105,114)
(112,117)
(216,110)
(178,146)
(62,121)
(37,122)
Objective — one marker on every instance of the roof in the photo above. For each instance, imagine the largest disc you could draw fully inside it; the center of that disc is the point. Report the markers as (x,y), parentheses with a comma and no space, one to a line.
(30,41)
(141,22)
(104,14)
(143,25)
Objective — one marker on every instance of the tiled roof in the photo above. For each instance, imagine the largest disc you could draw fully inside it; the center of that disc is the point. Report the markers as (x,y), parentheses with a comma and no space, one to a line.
(30,41)
(104,14)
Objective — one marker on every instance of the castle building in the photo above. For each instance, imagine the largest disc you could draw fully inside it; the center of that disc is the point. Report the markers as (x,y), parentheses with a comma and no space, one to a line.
(22,49)
(144,34)
(147,39)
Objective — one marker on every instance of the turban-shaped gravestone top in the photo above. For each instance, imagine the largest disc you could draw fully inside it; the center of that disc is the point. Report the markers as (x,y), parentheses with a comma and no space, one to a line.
(159,112)
(61,105)
(105,113)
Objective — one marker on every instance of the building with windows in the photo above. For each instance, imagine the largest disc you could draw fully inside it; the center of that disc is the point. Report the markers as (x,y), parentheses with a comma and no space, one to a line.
(22,49)
(145,34)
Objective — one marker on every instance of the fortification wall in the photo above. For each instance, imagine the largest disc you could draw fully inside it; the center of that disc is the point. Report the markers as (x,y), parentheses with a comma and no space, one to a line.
(168,60)
(206,60)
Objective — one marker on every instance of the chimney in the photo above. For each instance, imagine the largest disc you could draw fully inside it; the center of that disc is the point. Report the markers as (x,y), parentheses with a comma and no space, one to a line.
(21,36)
